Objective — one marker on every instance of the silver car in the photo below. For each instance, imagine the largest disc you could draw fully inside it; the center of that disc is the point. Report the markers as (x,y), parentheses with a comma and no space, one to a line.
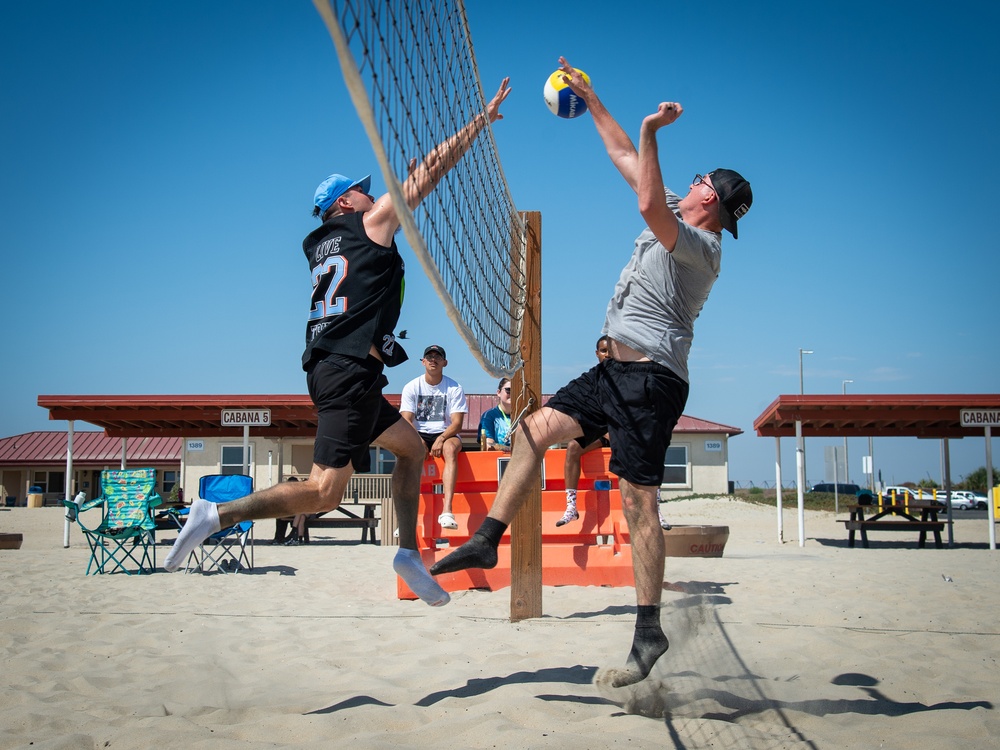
(962,499)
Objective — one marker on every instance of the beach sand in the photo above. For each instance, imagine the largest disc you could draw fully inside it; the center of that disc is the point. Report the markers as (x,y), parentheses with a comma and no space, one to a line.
(773,646)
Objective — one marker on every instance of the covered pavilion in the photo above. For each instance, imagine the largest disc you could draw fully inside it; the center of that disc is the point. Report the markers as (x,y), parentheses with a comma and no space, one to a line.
(879,415)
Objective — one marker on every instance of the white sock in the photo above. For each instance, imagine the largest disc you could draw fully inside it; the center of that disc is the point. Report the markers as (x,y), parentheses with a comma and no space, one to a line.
(410,568)
(570,499)
(202,522)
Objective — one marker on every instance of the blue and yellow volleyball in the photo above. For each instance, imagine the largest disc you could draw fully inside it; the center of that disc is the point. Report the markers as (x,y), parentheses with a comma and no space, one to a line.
(559,97)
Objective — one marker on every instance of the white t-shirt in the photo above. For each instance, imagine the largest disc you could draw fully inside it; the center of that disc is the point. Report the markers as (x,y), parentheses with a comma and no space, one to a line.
(433,405)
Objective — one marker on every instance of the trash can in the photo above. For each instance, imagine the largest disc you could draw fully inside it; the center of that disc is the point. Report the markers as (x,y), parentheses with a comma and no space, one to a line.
(35,497)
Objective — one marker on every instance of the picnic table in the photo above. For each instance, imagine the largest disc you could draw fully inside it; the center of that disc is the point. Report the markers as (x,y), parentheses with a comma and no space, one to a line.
(346,517)
(898,517)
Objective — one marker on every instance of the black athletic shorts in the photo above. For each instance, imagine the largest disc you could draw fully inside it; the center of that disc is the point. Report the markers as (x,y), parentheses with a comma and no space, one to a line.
(352,411)
(429,438)
(637,404)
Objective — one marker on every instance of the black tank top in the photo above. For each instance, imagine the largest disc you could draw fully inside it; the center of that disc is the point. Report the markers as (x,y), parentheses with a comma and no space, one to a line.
(357,293)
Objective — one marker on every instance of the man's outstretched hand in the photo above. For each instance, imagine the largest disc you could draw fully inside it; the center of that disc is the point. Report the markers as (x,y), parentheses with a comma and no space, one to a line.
(665,114)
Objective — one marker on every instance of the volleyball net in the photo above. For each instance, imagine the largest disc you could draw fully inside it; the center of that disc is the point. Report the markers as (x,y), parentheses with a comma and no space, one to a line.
(411,73)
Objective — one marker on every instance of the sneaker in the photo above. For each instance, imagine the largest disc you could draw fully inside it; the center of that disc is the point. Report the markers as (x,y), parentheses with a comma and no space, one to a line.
(292,541)
(571,514)
(447,521)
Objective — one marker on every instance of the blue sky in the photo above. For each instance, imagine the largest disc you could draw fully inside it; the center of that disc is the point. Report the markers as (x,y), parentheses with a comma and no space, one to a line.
(159,162)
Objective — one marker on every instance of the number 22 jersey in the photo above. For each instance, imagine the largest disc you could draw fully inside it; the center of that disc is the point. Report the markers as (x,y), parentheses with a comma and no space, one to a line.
(357,293)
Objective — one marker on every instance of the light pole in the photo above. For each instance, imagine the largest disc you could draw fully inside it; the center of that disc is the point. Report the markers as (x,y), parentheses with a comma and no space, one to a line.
(800,460)
(847,465)
(801,352)
(802,392)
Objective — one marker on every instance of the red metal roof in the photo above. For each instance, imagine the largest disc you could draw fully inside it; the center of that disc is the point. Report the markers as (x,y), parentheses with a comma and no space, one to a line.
(42,448)
(881,415)
(200,416)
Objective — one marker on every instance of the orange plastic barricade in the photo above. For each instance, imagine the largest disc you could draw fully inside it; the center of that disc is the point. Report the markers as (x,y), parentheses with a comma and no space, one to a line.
(586,552)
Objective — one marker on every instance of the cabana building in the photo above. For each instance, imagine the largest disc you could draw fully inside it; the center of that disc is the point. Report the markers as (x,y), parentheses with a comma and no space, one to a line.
(270,437)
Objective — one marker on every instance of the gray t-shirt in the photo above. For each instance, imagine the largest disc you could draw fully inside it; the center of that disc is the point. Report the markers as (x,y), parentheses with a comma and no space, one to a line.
(659,294)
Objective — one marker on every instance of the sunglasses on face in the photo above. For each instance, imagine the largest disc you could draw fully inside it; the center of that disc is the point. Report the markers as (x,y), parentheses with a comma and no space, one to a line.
(700,179)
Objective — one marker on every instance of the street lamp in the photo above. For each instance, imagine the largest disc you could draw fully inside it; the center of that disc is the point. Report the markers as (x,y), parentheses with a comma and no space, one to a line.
(800,460)
(847,465)
(801,392)
(801,352)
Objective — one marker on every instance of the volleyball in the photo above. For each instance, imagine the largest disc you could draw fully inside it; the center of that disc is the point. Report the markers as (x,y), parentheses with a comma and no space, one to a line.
(559,97)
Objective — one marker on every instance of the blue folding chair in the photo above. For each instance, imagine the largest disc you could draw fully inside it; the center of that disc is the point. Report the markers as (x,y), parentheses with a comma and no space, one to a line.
(229,550)
(126,532)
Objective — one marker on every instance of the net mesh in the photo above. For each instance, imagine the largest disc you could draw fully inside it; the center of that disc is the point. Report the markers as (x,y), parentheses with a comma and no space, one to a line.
(411,73)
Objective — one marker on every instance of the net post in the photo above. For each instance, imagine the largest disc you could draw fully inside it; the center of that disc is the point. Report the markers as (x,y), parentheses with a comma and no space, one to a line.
(526,530)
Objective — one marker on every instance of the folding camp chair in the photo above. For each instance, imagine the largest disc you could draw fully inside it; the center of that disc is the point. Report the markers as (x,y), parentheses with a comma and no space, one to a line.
(127,529)
(231,549)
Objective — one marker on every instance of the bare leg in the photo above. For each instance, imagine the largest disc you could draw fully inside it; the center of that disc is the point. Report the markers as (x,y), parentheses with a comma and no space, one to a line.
(402,439)
(322,491)
(452,447)
(404,442)
(537,432)
(298,530)
(571,471)
(639,506)
(639,503)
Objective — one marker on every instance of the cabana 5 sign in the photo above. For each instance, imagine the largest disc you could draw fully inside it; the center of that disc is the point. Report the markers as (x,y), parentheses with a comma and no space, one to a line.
(246,417)
(980,418)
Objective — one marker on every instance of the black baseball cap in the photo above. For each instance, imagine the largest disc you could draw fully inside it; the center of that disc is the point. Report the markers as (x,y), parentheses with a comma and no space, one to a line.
(735,197)
(435,348)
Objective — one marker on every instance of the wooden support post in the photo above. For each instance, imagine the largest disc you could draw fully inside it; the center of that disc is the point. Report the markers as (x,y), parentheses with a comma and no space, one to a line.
(526,530)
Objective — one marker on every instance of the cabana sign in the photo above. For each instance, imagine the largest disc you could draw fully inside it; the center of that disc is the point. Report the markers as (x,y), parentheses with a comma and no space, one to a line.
(246,417)
(980,417)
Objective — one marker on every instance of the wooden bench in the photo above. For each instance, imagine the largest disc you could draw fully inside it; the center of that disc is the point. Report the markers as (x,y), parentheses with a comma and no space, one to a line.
(883,524)
(367,522)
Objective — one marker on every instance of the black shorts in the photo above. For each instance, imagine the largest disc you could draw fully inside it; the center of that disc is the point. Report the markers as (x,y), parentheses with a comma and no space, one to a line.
(429,438)
(352,411)
(637,404)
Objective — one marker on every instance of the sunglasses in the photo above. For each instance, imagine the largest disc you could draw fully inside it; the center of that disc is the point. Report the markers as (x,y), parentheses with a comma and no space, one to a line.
(506,390)
(699,179)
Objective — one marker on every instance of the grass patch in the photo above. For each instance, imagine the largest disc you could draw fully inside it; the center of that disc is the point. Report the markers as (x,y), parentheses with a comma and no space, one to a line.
(759,496)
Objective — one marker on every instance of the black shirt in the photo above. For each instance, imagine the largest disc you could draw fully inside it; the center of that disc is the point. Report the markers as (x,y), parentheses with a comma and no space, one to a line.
(357,293)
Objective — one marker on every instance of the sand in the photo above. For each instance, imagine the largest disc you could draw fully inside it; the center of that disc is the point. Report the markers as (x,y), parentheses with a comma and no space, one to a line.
(773,646)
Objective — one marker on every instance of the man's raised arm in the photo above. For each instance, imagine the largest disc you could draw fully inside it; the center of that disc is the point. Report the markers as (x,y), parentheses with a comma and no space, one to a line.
(619,146)
(426,175)
(652,201)
(381,222)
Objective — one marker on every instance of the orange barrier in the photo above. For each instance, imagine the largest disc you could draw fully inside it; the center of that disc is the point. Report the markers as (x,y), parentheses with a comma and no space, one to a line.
(591,551)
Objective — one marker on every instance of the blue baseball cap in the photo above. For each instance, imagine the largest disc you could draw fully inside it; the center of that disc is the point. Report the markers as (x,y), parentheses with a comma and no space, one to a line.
(335,186)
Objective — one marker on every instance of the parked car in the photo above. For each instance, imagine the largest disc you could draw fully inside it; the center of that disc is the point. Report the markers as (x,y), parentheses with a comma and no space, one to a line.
(974,499)
(842,488)
(958,499)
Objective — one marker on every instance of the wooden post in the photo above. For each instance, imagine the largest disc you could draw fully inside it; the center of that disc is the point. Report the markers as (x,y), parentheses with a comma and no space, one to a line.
(526,530)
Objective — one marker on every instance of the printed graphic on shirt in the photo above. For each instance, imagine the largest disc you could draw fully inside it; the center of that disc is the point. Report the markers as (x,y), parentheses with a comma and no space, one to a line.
(430,408)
